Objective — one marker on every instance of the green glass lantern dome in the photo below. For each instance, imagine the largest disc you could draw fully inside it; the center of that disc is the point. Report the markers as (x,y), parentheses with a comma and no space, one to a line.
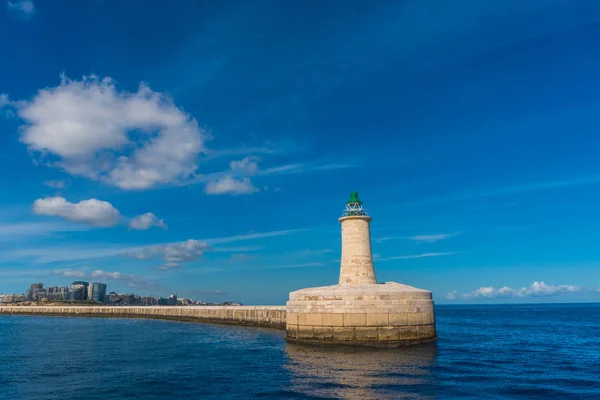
(354,198)
(353,206)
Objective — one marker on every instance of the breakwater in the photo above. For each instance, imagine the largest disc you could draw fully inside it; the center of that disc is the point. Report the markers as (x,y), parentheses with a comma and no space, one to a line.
(263,316)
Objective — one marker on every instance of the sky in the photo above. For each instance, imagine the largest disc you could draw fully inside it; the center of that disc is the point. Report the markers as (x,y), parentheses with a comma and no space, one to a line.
(208,148)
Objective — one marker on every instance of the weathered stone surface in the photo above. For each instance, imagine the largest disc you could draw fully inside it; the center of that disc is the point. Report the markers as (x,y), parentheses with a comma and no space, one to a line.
(399,309)
(428,318)
(306,332)
(314,319)
(323,333)
(388,333)
(399,319)
(343,333)
(333,319)
(355,319)
(302,317)
(377,319)
(292,318)
(292,331)
(408,333)
(365,333)
(398,291)
(415,318)
(426,331)
(267,316)
(357,261)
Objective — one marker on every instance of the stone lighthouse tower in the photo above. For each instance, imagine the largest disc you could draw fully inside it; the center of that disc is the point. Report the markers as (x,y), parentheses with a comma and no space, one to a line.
(358,310)
(357,261)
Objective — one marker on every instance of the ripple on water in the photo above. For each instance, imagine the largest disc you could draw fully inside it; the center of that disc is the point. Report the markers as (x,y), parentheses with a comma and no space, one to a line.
(493,352)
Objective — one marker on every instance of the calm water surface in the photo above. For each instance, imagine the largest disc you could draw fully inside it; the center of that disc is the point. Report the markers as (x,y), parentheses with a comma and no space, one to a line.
(484,352)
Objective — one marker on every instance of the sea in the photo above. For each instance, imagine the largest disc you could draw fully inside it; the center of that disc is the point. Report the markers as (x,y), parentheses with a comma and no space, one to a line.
(484,352)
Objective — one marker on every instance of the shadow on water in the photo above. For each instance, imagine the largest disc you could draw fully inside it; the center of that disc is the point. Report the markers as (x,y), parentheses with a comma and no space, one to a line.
(345,372)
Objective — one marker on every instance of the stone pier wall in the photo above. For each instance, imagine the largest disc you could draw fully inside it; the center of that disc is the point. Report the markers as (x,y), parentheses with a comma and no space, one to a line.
(265,316)
(384,315)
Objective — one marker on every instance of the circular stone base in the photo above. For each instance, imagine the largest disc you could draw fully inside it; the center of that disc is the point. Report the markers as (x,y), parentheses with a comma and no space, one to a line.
(377,315)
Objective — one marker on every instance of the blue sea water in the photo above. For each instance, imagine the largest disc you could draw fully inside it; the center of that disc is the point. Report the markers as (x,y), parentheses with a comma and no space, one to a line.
(484,352)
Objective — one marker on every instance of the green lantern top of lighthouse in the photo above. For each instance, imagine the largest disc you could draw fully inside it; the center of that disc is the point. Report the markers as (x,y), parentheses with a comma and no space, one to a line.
(353,206)
(354,198)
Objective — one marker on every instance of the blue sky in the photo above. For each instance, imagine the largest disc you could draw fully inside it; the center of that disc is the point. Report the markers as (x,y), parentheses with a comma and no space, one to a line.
(208,148)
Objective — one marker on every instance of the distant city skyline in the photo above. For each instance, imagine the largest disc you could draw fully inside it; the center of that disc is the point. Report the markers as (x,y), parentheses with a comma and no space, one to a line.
(97,292)
(207,149)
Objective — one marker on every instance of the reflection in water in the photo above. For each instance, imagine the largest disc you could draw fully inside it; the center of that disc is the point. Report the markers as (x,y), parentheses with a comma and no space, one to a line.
(362,373)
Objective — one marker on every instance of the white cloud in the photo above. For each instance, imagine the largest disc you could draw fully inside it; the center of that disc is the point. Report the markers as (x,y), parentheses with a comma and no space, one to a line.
(429,238)
(382,239)
(130,140)
(541,289)
(485,292)
(311,252)
(92,212)
(240,257)
(303,265)
(146,221)
(230,185)
(173,254)
(133,140)
(417,256)
(57,253)
(129,280)
(243,150)
(69,273)
(536,289)
(285,169)
(453,295)
(303,167)
(252,235)
(247,165)
(58,183)
(4,100)
(18,230)
(23,6)
(504,291)
(235,181)
(433,238)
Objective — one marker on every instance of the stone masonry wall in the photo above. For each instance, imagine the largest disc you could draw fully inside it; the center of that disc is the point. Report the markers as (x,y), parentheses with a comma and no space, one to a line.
(273,317)
(357,261)
(360,315)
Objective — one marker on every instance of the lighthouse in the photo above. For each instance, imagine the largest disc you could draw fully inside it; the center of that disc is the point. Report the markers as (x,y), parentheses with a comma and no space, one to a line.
(356,264)
(358,310)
